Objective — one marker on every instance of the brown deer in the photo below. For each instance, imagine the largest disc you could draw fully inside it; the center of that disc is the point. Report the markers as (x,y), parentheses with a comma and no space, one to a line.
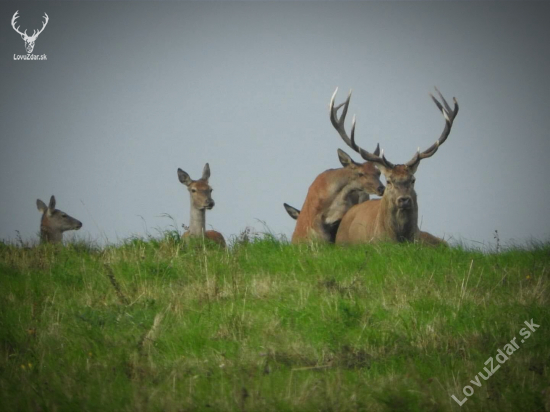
(54,222)
(335,191)
(331,195)
(394,217)
(201,200)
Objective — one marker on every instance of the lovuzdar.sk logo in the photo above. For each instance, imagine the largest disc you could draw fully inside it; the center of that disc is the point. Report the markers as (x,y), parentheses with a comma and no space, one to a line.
(29,40)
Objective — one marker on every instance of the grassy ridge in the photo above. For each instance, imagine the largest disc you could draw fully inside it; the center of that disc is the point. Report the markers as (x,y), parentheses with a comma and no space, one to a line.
(160,325)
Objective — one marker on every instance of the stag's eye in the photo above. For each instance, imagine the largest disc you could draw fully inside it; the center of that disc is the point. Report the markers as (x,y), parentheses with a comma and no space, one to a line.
(194,190)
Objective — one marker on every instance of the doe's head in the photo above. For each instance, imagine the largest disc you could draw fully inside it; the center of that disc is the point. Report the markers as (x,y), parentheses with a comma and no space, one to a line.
(54,221)
(366,175)
(200,190)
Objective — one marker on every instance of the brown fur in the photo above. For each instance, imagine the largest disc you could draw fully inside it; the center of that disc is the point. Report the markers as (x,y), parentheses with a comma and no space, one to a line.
(212,235)
(431,240)
(330,196)
(383,220)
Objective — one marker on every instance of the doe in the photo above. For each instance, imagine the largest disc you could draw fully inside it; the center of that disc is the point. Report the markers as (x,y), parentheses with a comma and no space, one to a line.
(201,200)
(54,222)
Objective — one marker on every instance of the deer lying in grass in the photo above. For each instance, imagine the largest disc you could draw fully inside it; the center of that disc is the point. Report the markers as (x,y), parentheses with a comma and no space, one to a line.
(425,237)
(395,216)
(201,200)
(54,222)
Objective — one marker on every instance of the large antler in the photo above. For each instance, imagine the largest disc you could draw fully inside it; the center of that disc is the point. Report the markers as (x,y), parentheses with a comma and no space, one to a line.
(449,118)
(15,17)
(338,124)
(34,36)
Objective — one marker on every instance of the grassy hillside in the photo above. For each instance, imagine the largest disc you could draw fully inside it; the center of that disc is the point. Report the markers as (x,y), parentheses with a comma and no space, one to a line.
(158,325)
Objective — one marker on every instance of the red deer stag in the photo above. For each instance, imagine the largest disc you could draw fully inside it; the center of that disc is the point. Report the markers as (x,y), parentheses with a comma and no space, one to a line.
(394,217)
(201,200)
(54,222)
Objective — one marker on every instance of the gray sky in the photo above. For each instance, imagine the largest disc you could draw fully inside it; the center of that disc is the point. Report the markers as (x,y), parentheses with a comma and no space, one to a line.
(132,91)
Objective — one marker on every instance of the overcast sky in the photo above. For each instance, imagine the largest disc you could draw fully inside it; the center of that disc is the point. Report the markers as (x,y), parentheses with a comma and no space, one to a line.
(132,91)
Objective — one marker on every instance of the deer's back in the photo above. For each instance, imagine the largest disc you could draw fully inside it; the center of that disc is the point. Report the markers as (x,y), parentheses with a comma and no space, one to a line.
(359,224)
(431,240)
(210,235)
(215,237)
(309,222)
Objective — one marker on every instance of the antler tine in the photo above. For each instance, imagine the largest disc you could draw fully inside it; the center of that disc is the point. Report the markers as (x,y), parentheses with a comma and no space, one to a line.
(449,115)
(43,26)
(13,22)
(334,110)
(338,124)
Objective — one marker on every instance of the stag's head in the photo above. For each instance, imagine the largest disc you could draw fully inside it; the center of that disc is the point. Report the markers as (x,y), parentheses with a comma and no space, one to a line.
(399,178)
(400,187)
(29,40)
(200,190)
(54,221)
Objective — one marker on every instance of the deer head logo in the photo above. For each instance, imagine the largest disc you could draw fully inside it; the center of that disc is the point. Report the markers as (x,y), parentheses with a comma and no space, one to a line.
(29,40)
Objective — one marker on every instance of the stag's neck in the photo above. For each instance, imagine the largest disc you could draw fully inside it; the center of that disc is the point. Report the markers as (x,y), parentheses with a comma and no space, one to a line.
(197,225)
(400,225)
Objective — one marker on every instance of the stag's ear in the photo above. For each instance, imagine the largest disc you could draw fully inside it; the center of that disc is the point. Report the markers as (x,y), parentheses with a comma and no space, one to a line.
(206,172)
(292,211)
(184,177)
(345,159)
(41,206)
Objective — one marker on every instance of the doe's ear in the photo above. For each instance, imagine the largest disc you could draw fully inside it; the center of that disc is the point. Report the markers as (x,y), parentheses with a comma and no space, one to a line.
(41,206)
(206,172)
(292,211)
(345,159)
(51,206)
(184,177)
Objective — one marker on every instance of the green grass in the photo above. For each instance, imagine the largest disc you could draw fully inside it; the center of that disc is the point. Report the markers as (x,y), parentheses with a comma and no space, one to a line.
(159,325)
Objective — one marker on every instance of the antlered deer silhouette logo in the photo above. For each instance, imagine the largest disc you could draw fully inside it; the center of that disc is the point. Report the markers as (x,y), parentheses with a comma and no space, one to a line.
(29,40)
